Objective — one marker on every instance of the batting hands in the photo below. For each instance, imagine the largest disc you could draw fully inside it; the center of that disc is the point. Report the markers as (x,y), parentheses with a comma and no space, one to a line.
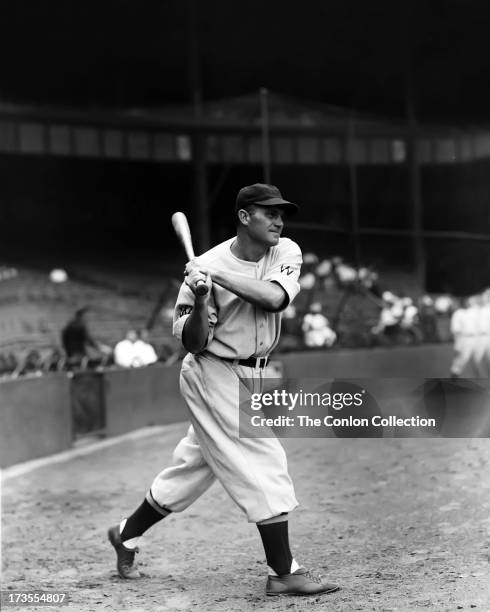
(195,272)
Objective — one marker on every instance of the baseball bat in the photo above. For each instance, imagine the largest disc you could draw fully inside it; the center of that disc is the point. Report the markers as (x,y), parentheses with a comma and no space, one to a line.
(181,227)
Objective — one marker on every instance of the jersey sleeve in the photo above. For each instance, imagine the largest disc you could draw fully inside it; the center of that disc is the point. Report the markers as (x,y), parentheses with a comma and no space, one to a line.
(286,268)
(183,309)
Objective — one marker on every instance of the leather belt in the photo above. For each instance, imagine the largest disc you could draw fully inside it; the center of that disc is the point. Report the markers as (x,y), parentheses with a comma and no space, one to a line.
(258,363)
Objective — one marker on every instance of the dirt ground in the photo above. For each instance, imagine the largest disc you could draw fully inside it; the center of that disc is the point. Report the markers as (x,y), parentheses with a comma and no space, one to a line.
(400,524)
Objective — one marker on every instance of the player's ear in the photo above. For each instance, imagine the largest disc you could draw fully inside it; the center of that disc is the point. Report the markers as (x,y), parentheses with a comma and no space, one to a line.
(243,216)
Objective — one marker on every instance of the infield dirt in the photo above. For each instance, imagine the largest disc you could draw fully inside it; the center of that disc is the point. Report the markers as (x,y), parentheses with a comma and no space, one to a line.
(399,524)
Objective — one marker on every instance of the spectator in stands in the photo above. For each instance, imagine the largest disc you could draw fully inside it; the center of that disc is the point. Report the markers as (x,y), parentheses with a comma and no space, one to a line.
(427,318)
(308,277)
(4,369)
(143,350)
(124,351)
(388,326)
(310,260)
(292,334)
(8,364)
(324,268)
(307,281)
(409,322)
(444,307)
(368,279)
(32,363)
(77,341)
(316,328)
(55,361)
(345,274)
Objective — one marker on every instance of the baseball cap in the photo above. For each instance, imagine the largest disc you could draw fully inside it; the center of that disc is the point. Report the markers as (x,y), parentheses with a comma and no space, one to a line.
(263,195)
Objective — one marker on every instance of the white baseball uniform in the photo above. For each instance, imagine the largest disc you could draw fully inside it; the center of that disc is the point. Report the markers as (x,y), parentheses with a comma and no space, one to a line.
(465,332)
(252,470)
(483,341)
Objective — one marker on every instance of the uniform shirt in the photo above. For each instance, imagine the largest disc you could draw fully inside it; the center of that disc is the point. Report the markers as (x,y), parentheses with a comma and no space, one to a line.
(484,320)
(464,322)
(457,322)
(238,329)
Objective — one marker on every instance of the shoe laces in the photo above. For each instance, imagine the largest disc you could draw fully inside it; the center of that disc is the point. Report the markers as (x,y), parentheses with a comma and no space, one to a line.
(313,576)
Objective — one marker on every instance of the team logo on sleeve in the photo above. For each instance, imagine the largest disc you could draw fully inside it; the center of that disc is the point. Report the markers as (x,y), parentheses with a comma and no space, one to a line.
(286,269)
(184,310)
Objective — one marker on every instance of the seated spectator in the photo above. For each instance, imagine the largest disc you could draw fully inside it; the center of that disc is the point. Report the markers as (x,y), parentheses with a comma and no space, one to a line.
(124,351)
(324,268)
(369,278)
(55,361)
(388,326)
(307,281)
(410,322)
(316,328)
(134,351)
(31,363)
(444,307)
(143,350)
(4,369)
(427,318)
(77,340)
(310,260)
(8,364)
(346,275)
(291,335)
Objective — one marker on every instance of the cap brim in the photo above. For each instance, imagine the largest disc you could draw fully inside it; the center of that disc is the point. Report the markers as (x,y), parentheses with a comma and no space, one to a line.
(289,207)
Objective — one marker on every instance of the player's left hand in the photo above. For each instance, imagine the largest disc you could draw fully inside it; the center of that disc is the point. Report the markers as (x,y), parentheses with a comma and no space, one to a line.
(195,272)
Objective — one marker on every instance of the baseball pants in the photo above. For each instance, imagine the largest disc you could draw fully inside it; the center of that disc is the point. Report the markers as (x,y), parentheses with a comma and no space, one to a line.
(464,364)
(252,470)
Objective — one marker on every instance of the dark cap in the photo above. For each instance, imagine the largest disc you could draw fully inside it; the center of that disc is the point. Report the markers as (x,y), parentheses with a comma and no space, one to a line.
(263,195)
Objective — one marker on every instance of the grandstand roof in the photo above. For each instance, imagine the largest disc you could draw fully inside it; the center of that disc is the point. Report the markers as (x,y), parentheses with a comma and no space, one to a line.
(345,52)
(285,113)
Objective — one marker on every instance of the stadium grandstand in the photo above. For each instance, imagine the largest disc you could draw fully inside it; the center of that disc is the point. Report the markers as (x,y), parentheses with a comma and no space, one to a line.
(98,189)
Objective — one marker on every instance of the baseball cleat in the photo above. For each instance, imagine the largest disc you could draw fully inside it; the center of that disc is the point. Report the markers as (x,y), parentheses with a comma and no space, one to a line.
(125,556)
(300,582)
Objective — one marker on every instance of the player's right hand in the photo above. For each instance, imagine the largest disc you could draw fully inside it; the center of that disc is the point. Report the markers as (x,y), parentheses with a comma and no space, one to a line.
(196,274)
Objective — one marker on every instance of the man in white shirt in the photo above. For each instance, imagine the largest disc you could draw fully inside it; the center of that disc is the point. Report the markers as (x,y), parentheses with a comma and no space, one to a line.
(144,353)
(316,328)
(124,352)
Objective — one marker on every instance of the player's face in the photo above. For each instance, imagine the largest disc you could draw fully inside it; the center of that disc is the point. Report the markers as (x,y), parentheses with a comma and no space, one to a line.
(266,224)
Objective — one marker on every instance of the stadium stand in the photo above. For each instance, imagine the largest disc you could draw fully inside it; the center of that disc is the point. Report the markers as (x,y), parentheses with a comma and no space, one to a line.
(33,310)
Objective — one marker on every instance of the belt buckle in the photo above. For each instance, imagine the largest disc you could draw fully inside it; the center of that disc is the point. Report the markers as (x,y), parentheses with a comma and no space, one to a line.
(258,363)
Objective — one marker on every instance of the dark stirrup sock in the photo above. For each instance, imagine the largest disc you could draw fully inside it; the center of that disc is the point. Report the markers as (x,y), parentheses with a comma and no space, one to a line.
(275,539)
(142,519)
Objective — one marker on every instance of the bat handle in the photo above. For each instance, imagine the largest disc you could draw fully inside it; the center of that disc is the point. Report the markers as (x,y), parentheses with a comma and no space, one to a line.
(201,288)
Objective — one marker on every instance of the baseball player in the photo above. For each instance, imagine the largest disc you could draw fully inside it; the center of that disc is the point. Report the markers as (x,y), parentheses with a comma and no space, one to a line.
(464,329)
(229,334)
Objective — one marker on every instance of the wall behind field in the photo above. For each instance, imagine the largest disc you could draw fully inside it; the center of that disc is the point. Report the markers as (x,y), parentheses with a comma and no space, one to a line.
(36,414)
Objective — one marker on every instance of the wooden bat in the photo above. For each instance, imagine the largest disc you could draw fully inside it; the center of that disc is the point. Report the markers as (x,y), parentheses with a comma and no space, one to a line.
(181,227)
